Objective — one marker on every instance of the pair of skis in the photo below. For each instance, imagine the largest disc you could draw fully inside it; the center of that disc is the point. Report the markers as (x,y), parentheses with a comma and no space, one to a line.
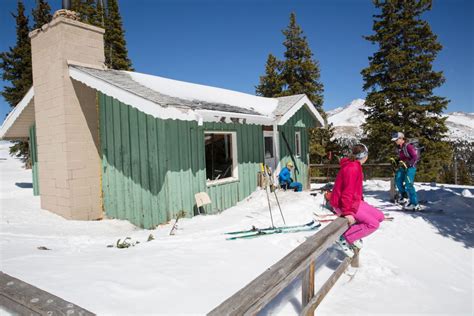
(257,232)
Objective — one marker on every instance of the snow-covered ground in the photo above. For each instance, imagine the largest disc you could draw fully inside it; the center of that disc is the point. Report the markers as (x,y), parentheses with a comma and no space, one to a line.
(417,264)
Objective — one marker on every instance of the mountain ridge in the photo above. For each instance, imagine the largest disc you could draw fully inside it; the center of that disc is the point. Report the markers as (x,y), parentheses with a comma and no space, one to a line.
(348,119)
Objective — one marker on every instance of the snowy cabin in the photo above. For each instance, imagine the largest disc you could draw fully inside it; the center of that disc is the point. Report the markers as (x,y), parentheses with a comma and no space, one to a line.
(139,147)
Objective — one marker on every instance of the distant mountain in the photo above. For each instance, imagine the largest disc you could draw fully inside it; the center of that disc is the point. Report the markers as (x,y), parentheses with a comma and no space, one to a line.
(347,121)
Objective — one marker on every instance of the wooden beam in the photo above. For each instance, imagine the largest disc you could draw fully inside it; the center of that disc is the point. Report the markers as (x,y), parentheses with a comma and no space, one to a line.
(308,285)
(25,299)
(316,300)
(259,292)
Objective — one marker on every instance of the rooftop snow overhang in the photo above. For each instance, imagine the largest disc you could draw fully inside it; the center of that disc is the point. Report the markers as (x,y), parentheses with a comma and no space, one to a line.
(155,109)
(17,124)
(172,99)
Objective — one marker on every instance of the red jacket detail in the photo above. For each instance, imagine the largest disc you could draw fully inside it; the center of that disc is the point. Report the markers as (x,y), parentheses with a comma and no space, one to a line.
(347,191)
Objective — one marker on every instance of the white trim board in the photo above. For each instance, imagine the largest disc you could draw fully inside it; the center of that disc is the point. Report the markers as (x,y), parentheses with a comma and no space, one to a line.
(15,113)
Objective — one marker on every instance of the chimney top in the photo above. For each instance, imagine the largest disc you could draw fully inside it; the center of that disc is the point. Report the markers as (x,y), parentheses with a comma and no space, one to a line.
(67,14)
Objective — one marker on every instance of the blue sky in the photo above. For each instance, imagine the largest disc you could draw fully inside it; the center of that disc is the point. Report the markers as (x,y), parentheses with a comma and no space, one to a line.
(226,43)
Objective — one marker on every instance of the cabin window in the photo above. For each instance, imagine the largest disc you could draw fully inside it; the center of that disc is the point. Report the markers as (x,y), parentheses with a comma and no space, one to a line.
(298,144)
(221,156)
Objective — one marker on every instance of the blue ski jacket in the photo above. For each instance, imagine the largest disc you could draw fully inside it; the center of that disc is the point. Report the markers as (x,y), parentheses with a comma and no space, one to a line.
(285,176)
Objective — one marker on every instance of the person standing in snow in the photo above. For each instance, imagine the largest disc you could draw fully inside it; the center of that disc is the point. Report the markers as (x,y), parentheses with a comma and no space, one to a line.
(346,199)
(405,174)
(286,181)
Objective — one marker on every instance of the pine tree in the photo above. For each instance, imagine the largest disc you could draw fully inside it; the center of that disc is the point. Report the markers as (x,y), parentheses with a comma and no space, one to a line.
(271,83)
(41,14)
(16,63)
(116,54)
(300,72)
(16,69)
(100,21)
(400,83)
(89,11)
(323,148)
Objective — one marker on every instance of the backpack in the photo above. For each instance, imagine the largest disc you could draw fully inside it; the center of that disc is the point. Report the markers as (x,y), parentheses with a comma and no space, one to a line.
(416,144)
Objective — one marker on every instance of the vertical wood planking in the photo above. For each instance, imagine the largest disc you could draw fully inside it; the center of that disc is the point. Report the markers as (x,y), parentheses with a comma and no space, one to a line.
(126,162)
(152,168)
(103,149)
(111,209)
(137,217)
(119,180)
(145,181)
(162,169)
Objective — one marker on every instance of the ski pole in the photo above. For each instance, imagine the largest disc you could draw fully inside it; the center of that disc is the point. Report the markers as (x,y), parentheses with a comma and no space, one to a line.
(268,196)
(278,202)
(267,172)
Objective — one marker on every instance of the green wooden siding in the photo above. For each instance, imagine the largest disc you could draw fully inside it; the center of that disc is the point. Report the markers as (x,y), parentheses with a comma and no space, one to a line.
(151,168)
(301,121)
(34,159)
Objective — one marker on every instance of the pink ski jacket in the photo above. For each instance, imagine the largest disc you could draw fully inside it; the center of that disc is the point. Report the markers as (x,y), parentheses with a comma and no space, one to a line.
(347,191)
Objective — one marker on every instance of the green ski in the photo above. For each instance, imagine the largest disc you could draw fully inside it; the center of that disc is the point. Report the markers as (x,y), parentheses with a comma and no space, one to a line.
(255,229)
(286,230)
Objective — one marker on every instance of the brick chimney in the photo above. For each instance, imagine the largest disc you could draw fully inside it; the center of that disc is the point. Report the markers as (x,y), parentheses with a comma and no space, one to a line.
(67,117)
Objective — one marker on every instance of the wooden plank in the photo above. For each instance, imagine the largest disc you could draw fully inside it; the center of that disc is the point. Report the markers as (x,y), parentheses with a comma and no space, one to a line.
(126,162)
(154,172)
(331,166)
(110,207)
(103,149)
(144,175)
(135,164)
(118,178)
(316,300)
(307,292)
(259,292)
(21,297)
(162,170)
(15,308)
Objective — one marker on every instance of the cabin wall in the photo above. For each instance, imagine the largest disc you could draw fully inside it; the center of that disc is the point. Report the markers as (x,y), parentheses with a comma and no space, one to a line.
(301,121)
(151,168)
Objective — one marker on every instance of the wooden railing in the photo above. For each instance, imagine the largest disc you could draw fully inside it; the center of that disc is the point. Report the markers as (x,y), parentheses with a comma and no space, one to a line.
(329,171)
(300,262)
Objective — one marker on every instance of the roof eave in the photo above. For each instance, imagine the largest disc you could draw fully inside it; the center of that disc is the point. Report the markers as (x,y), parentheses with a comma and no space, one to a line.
(304,101)
(13,117)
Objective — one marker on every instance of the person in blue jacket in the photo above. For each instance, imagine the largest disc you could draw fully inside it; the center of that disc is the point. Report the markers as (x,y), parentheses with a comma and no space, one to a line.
(286,182)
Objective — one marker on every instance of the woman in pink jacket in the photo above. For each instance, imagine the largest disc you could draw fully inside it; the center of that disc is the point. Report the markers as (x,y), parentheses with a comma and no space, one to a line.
(347,200)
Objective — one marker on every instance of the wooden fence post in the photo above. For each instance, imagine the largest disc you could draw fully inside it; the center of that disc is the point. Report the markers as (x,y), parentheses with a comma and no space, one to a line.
(308,286)
(355,259)
(392,189)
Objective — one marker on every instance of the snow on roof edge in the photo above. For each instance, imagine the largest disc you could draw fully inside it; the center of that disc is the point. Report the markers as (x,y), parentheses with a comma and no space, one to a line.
(15,113)
(301,102)
(131,99)
(156,110)
(194,91)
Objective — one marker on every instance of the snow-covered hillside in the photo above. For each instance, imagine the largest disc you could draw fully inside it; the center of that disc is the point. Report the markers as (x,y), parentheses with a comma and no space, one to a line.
(348,120)
(417,264)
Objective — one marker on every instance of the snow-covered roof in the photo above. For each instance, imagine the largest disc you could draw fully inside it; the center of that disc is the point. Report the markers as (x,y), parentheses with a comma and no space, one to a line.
(172,99)
(168,99)
(16,124)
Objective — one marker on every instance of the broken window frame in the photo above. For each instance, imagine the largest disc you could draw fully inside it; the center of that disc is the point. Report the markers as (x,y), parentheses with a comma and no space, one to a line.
(234,167)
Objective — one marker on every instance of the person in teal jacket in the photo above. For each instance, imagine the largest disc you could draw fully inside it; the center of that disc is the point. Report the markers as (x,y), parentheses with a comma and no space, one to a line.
(286,181)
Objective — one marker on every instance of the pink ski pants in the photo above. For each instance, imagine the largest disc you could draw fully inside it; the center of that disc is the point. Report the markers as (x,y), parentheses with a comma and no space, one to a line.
(368,219)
